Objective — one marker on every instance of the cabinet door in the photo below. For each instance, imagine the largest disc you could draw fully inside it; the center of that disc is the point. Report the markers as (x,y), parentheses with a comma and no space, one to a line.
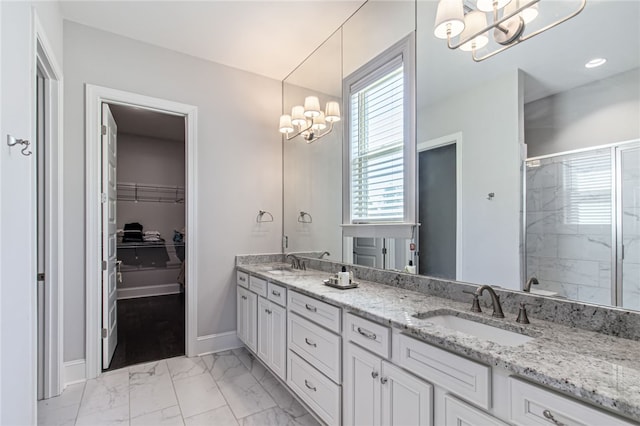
(406,400)
(264,330)
(361,387)
(459,413)
(241,314)
(252,322)
(278,340)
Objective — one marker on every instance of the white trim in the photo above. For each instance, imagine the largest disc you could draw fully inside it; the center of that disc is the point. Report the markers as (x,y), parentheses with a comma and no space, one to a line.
(379,230)
(149,291)
(54,312)
(218,342)
(74,372)
(455,138)
(94,97)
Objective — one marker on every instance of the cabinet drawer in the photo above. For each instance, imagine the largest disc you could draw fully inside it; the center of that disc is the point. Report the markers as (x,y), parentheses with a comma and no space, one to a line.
(258,286)
(458,413)
(467,379)
(242,278)
(319,347)
(277,294)
(320,393)
(369,335)
(319,312)
(534,405)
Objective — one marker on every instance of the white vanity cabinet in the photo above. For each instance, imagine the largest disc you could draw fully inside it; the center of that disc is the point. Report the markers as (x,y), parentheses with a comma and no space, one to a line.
(457,412)
(375,391)
(247,324)
(314,357)
(272,336)
(533,405)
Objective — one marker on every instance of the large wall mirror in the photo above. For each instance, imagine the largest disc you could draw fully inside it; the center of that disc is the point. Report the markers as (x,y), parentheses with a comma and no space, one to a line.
(528,163)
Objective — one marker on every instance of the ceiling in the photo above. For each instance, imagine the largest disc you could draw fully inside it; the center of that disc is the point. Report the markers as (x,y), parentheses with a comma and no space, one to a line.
(269,38)
(148,123)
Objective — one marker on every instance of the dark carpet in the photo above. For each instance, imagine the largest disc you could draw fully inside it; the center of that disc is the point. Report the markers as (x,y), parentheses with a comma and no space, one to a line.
(149,329)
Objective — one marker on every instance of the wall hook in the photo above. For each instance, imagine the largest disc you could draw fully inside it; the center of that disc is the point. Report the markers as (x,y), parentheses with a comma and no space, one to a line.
(260,218)
(11,141)
(490,196)
(305,217)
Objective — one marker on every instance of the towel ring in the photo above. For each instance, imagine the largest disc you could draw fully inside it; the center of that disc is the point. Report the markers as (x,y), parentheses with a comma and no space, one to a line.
(302,218)
(260,218)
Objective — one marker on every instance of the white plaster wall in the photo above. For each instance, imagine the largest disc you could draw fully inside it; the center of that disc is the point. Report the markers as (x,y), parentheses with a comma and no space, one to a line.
(239,162)
(490,163)
(17,201)
(604,112)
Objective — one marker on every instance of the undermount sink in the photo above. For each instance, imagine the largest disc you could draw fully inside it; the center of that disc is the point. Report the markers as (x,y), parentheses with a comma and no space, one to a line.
(283,271)
(479,330)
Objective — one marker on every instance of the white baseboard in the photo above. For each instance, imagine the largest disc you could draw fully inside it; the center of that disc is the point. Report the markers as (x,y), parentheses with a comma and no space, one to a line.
(218,343)
(74,372)
(150,290)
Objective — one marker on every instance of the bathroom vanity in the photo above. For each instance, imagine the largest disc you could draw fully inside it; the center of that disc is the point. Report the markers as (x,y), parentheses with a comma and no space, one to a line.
(382,354)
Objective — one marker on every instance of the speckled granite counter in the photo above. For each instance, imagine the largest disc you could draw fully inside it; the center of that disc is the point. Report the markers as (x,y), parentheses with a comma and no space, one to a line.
(600,369)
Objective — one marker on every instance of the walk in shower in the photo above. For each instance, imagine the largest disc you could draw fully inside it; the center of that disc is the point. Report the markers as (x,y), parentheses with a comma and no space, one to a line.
(583,224)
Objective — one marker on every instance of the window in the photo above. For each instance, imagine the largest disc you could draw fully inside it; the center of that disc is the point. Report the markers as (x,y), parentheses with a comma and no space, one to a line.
(587,189)
(380,142)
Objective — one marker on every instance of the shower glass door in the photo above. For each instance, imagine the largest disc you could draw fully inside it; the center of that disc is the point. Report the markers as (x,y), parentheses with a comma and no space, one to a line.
(629,229)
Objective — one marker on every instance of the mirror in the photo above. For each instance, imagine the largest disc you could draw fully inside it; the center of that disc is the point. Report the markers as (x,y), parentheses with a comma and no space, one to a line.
(504,133)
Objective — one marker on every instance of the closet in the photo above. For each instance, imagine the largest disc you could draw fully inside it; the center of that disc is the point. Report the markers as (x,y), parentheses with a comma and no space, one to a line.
(150,217)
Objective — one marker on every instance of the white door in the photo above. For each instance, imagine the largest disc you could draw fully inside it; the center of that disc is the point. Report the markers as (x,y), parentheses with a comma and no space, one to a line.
(361,387)
(109,258)
(406,400)
(279,340)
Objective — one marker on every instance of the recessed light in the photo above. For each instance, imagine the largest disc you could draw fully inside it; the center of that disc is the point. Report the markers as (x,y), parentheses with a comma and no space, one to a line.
(596,62)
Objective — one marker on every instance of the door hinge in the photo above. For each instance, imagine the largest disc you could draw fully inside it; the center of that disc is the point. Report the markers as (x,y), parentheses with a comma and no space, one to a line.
(104,265)
(103,198)
(104,333)
(384,250)
(40,276)
(104,130)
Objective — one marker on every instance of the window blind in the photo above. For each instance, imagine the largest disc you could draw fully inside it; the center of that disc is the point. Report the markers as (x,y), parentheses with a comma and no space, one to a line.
(377,142)
(587,189)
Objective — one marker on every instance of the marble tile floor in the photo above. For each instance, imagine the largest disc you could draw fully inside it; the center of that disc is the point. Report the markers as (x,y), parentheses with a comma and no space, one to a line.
(227,388)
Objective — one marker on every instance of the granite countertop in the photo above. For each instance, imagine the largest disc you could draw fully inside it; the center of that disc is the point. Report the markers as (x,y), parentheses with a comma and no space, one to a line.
(600,369)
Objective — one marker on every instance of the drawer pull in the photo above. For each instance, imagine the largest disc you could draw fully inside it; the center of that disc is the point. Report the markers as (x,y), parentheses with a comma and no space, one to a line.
(311,307)
(243,279)
(310,386)
(548,415)
(367,333)
(244,297)
(310,342)
(374,374)
(384,380)
(268,311)
(275,293)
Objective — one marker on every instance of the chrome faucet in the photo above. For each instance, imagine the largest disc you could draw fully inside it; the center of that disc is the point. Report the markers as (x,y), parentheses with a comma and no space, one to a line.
(495,300)
(296,262)
(324,253)
(527,286)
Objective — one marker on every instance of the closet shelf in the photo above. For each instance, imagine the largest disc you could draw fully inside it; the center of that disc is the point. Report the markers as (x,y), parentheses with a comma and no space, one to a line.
(137,192)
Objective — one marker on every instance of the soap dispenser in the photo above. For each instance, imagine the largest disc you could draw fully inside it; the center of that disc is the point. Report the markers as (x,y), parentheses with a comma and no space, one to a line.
(344,277)
(410,268)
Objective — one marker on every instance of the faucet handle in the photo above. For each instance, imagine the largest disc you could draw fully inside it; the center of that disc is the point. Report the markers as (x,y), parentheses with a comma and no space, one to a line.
(522,314)
(475,305)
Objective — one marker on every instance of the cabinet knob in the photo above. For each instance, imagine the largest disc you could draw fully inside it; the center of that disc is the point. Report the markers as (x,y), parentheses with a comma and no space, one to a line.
(548,415)
(384,380)
(374,374)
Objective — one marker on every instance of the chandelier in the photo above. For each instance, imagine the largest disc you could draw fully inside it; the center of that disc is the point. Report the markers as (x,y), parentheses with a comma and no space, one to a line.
(466,28)
(309,121)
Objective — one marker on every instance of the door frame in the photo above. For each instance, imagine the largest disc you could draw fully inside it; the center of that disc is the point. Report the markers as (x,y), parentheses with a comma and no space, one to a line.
(94,97)
(54,247)
(452,139)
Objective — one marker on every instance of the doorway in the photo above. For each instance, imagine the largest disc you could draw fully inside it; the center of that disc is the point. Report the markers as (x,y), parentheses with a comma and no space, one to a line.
(144,282)
(96,98)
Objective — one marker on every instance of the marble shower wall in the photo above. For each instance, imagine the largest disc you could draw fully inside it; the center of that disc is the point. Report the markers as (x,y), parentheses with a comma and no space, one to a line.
(569,237)
(569,228)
